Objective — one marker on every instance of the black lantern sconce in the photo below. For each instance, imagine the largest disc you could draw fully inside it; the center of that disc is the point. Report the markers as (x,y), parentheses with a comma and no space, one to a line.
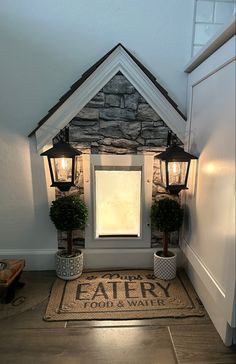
(174,166)
(62,162)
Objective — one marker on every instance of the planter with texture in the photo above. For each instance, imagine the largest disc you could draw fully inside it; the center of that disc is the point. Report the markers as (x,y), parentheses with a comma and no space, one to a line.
(69,213)
(69,267)
(167,216)
(164,267)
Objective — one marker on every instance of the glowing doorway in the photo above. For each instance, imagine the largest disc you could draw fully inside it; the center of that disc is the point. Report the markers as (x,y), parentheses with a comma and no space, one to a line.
(118,193)
(118,202)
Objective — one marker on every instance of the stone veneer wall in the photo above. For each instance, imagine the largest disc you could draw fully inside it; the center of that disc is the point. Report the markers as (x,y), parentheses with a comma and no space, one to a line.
(118,121)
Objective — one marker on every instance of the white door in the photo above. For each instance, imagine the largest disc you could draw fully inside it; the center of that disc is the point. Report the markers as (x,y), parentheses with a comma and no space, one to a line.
(209,229)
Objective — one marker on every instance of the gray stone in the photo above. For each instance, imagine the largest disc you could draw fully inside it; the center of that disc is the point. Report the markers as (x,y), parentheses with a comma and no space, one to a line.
(86,123)
(77,144)
(117,113)
(106,141)
(147,124)
(161,189)
(151,149)
(159,123)
(122,102)
(88,113)
(154,133)
(142,100)
(83,147)
(97,101)
(140,141)
(156,177)
(89,138)
(131,129)
(131,101)
(85,129)
(77,134)
(124,143)
(105,124)
(150,124)
(155,142)
(114,150)
(111,131)
(112,100)
(145,112)
(118,85)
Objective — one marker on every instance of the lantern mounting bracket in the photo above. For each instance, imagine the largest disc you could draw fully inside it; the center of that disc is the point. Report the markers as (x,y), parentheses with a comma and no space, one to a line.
(62,136)
(172,139)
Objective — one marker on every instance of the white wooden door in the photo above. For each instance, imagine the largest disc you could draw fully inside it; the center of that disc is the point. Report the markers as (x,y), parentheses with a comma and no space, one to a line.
(209,229)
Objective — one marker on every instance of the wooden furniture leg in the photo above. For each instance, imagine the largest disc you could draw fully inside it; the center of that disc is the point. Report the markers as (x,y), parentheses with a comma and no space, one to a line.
(11,290)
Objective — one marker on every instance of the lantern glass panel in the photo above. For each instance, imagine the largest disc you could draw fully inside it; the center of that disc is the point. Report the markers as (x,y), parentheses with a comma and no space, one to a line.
(163,172)
(62,168)
(177,173)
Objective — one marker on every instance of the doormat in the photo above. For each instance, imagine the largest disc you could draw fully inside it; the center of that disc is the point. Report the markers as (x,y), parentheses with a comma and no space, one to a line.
(123,294)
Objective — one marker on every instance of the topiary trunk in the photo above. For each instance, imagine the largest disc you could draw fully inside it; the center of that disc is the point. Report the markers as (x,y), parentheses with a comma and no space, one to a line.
(69,242)
(165,243)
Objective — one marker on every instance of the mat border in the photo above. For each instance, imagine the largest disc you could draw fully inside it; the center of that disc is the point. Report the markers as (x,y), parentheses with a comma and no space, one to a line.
(197,309)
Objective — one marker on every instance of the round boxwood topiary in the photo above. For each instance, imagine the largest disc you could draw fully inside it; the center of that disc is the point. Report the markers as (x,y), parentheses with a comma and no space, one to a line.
(167,216)
(69,213)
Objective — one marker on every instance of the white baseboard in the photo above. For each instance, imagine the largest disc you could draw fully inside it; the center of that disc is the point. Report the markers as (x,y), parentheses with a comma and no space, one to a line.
(93,258)
(121,258)
(209,291)
(206,276)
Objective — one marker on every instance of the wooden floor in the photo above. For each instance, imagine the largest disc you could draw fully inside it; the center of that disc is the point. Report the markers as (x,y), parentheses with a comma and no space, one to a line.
(26,339)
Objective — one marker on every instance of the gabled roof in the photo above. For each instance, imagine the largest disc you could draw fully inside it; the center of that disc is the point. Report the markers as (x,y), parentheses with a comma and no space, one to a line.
(119,59)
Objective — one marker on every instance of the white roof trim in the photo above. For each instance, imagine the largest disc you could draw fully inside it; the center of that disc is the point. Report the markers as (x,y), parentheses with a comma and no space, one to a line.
(118,60)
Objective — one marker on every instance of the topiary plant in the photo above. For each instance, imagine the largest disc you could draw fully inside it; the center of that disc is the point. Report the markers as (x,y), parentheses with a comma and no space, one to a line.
(69,213)
(167,216)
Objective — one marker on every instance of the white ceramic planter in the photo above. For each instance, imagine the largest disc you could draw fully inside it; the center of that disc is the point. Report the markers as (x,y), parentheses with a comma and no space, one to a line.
(164,267)
(69,268)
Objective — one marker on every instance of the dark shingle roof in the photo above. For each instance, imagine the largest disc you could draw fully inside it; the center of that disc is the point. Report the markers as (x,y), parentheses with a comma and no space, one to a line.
(85,75)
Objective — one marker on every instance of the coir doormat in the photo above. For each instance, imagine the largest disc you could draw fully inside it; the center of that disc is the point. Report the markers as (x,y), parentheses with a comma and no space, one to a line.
(125,294)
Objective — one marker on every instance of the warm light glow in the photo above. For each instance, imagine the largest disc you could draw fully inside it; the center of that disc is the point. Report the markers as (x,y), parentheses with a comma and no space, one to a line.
(163,172)
(63,163)
(176,168)
(174,171)
(218,167)
(63,169)
(118,199)
(177,172)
